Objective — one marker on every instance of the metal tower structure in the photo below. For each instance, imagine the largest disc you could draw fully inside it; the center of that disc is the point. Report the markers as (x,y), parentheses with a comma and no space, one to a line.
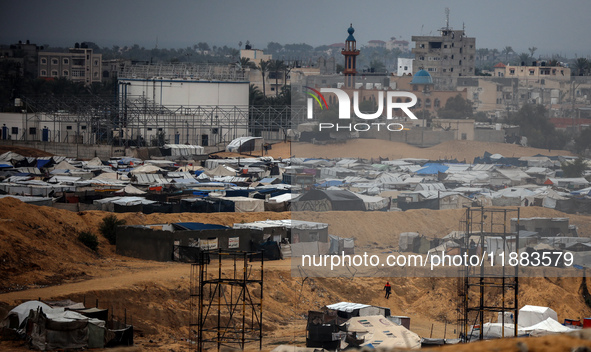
(486,289)
(226,304)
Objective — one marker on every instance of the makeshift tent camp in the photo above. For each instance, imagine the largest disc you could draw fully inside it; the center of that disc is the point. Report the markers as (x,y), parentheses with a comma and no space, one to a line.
(378,332)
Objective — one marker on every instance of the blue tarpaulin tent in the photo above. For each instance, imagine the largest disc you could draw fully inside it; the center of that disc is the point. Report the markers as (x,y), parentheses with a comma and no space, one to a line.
(432,169)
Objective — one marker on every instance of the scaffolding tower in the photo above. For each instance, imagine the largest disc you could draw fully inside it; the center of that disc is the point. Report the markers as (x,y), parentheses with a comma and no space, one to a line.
(492,286)
(226,300)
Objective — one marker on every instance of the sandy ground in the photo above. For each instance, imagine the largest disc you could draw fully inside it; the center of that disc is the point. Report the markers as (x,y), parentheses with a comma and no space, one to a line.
(374,148)
(40,257)
(24,151)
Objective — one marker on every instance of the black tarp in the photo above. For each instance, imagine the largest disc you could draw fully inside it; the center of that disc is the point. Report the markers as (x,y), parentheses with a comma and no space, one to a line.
(123,337)
(339,200)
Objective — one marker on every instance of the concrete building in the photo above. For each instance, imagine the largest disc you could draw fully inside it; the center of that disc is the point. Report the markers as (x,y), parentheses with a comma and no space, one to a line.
(451,54)
(80,64)
(376,44)
(24,55)
(533,73)
(404,67)
(255,55)
(402,45)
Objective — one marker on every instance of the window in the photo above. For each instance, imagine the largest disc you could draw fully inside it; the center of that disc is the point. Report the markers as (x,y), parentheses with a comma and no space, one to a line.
(422,46)
(14,130)
(33,130)
(427,103)
(464,136)
(82,127)
(421,58)
(68,127)
(54,61)
(512,71)
(66,61)
(54,73)
(531,72)
(44,61)
(95,62)
(66,73)
(43,73)
(96,75)
(418,103)
(436,103)
(445,46)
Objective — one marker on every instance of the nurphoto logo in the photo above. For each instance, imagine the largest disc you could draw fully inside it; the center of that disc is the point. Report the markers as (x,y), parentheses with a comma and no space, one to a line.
(393,101)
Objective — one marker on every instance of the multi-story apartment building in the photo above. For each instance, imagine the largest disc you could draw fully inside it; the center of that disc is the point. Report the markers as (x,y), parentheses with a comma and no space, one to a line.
(80,64)
(451,54)
(24,55)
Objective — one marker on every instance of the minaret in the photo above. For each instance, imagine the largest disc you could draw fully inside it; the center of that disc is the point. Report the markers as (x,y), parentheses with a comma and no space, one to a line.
(350,52)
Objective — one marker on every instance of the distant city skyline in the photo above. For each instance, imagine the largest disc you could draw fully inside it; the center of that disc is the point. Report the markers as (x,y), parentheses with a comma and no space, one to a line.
(553,28)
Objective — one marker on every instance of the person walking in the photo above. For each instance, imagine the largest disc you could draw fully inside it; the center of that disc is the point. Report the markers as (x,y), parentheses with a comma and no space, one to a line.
(388,289)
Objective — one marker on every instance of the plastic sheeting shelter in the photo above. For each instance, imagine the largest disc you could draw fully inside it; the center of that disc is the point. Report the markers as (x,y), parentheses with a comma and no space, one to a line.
(378,332)
(327,200)
(546,327)
(245,144)
(181,149)
(55,328)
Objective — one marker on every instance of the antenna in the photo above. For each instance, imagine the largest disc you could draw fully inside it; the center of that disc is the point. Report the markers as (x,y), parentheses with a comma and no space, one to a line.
(447,18)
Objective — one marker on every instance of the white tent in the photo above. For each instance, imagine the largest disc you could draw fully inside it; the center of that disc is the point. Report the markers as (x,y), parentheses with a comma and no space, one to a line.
(546,327)
(184,149)
(379,332)
(130,190)
(94,162)
(146,169)
(221,170)
(531,315)
(246,205)
(64,165)
(496,330)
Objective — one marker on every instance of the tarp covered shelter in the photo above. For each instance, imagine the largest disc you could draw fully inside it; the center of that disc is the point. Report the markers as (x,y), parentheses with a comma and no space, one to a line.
(181,149)
(327,200)
(56,328)
(129,190)
(220,170)
(244,144)
(378,332)
(546,327)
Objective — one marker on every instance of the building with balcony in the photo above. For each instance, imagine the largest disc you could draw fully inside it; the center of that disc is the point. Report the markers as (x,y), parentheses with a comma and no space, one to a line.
(80,64)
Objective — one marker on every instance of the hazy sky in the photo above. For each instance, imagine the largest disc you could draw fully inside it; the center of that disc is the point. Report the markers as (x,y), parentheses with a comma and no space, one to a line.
(554,27)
